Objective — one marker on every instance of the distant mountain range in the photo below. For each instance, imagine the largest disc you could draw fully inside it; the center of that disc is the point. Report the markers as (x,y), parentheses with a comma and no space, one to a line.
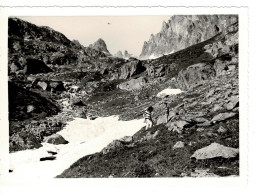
(125,55)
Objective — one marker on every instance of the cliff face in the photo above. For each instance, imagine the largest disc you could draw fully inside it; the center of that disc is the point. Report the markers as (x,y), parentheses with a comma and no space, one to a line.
(183,31)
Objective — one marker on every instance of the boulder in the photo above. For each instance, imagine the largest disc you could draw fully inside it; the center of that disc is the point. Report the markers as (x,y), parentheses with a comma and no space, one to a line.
(161,119)
(126,139)
(30,108)
(57,85)
(205,124)
(130,69)
(215,150)
(220,67)
(15,67)
(195,75)
(43,85)
(216,107)
(223,116)
(133,84)
(150,136)
(222,129)
(34,66)
(177,126)
(47,158)
(179,144)
(114,145)
(233,102)
(55,139)
(200,120)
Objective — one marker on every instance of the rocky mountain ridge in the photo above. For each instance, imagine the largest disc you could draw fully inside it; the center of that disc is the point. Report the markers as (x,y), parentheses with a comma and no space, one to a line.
(182,31)
(26,40)
(126,54)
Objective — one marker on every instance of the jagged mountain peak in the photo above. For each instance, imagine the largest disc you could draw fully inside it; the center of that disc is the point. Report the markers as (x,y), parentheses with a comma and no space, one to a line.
(182,31)
(125,55)
(100,45)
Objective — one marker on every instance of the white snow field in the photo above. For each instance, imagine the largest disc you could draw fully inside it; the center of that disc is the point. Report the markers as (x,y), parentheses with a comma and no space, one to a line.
(169,91)
(85,137)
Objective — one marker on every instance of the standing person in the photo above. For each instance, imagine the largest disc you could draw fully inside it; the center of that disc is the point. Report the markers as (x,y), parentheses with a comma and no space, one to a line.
(148,117)
(167,111)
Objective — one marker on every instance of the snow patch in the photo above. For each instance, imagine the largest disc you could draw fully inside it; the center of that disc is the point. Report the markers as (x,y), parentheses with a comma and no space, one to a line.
(169,91)
(85,137)
(152,56)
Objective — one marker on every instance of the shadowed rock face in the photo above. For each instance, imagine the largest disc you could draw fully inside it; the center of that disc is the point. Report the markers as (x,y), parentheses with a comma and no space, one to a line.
(34,66)
(183,31)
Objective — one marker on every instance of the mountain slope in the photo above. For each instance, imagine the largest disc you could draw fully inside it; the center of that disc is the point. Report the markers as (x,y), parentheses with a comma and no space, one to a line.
(204,116)
(183,31)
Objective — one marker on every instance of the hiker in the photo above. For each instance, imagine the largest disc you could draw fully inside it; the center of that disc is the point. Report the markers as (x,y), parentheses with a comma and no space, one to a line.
(167,111)
(148,117)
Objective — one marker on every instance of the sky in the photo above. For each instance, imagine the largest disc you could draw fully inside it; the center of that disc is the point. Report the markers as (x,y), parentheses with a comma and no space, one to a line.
(118,32)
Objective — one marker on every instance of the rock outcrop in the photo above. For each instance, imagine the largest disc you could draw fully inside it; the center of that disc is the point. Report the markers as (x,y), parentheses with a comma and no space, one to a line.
(183,31)
(215,150)
(131,69)
(55,139)
(195,75)
(133,84)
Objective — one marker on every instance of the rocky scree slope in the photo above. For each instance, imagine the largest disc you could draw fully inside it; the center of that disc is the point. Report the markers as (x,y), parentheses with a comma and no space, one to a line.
(183,31)
(201,138)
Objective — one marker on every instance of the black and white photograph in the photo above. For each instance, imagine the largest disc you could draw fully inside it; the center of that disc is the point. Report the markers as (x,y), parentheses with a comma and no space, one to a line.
(123,96)
(99,99)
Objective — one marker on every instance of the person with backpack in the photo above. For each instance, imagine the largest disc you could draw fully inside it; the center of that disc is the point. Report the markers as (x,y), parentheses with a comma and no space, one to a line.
(148,117)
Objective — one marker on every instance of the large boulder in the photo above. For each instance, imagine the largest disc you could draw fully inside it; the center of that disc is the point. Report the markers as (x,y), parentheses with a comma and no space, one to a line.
(161,119)
(43,85)
(179,144)
(34,66)
(177,126)
(114,145)
(215,150)
(223,116)
(130,69)
(133,84)
(195,75)
(55,139)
